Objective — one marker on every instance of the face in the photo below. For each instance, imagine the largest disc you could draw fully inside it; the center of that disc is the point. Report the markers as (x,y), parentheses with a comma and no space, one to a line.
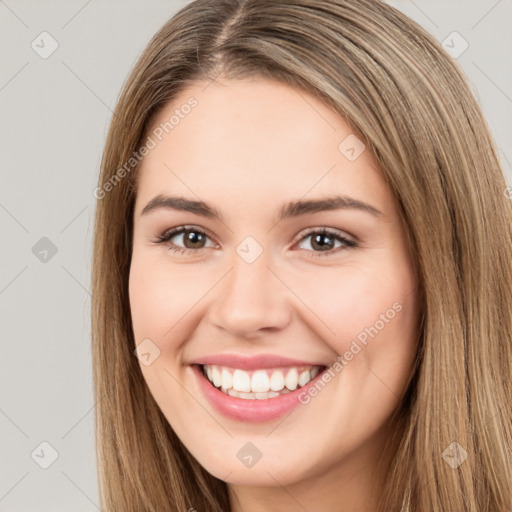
(303,312)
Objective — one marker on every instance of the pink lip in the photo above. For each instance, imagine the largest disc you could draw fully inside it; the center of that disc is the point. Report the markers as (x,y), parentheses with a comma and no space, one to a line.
(260,361)
(249,410)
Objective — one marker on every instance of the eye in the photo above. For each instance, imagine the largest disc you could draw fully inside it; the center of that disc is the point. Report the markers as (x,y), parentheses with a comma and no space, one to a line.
(323,241)
(193,238)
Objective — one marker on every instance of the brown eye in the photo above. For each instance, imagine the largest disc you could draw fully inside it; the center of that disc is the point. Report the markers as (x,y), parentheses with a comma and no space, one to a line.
(193,239)
(323,242)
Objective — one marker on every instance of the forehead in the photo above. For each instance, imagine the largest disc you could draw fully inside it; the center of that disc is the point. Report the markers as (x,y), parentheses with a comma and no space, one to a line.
(255,140)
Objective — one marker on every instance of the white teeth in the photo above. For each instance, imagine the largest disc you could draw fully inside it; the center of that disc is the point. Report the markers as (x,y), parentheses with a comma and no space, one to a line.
(227,379)
(251,396)
(241,381)
(217,379)
(292,379)
(264,396)
(260,382)
(304,378)
(277,381)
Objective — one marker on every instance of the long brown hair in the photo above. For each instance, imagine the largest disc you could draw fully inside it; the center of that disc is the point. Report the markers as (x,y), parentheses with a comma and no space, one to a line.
(409,101)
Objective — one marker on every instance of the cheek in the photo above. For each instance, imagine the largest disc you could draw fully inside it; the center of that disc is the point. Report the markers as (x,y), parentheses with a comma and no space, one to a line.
(348,300)
(367,314)
(159,298)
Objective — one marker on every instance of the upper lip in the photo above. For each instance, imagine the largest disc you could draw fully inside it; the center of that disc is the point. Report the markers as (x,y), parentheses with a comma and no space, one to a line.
(251,362)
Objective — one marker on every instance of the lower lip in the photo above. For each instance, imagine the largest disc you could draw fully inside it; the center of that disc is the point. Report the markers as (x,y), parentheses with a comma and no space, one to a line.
(250,410)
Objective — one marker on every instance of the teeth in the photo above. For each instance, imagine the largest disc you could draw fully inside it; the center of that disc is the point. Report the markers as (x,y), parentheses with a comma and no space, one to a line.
(251,396)
(264,396)
(227,379)
(241,381)
(292,379)
(277,381)
(217,379)
(304,378)
(259,384)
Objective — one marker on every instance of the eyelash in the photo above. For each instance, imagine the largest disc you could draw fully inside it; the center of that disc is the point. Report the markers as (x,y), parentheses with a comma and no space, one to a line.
(164,238)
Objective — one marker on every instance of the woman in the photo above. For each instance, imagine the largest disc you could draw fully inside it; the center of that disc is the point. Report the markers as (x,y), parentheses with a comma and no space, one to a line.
(302,270)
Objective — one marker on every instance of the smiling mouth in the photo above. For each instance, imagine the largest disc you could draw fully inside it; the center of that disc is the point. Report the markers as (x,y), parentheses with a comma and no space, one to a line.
(260,384)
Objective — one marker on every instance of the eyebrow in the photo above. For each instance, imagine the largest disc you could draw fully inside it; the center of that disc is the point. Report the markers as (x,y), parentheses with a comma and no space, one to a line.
(289,210)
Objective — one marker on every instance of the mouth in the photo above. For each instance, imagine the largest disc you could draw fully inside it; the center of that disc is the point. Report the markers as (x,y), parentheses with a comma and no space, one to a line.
(259,384)
(260,388)
(255,406)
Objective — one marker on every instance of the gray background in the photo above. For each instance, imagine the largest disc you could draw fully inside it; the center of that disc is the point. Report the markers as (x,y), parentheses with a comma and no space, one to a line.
(55,113)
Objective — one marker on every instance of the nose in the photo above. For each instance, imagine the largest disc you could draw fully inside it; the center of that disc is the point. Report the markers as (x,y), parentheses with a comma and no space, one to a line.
(251,300)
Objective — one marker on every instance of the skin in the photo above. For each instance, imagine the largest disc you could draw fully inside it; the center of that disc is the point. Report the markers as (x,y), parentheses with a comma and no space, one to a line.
(247,148)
